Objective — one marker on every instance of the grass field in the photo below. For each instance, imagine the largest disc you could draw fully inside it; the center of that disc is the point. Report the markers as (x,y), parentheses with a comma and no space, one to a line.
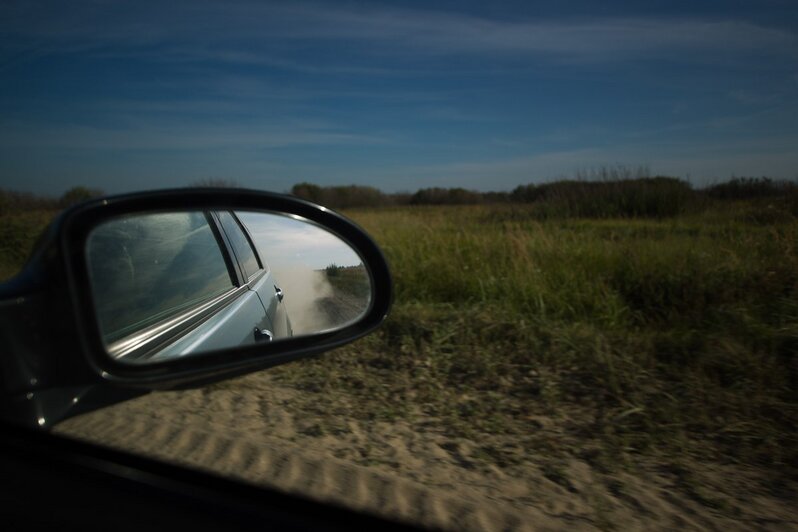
(672,338)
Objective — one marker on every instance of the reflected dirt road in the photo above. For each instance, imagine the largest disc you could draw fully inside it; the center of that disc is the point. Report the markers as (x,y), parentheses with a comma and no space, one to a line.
(318,300)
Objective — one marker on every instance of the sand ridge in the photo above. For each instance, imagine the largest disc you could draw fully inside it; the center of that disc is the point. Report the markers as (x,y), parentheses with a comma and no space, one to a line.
(249,429)
(277,465)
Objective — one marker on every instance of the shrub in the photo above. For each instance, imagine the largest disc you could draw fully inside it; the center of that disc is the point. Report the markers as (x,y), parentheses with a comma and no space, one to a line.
(77,195)
(741,188)
(445,196)
(646,197)
(341,197)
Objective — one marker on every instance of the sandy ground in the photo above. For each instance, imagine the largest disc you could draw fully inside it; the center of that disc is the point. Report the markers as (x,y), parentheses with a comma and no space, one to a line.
(252,431)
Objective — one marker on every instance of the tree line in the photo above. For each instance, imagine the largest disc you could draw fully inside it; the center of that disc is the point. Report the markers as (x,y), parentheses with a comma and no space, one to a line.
(603,194)
(12,200)
(614,195)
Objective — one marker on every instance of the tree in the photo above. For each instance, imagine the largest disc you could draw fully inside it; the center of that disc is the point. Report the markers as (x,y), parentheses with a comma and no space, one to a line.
(308,191)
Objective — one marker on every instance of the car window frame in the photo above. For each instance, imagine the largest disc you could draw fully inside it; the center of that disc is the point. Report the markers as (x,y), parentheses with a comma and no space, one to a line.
(263,267)
(146,342)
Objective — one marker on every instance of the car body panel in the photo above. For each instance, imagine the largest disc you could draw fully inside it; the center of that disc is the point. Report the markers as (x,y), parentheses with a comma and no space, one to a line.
(233,325)
(266,287)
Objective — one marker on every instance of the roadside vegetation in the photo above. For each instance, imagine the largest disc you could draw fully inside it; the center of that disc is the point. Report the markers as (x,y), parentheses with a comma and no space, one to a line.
(620,320)
(352,281)
(641,319)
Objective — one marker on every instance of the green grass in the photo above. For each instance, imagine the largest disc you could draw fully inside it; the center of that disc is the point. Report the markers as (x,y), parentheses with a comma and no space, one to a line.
(668,337)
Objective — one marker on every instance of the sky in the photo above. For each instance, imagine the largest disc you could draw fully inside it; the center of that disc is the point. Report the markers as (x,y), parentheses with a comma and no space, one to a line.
(290,243)
(402,95)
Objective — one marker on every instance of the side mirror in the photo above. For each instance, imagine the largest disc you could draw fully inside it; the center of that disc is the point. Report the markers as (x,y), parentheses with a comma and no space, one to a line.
(166,285)
(179,288)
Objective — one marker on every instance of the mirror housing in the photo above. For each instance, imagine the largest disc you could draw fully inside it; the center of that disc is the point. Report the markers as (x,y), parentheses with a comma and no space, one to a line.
(49,324)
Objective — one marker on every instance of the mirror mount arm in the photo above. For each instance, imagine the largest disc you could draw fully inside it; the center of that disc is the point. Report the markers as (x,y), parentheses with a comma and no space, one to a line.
(43,378)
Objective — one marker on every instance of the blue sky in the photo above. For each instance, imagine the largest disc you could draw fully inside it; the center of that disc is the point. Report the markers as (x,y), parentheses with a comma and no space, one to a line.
(397,95)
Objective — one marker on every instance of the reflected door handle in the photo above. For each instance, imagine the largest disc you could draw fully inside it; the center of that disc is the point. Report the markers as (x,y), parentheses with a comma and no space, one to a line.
(263,335)
(279,292)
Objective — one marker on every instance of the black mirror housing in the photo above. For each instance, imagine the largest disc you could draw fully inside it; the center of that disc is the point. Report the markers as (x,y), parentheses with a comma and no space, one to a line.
(48,318)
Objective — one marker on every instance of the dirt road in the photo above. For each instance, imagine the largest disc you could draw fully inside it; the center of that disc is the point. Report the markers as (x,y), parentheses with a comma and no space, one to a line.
(249,429)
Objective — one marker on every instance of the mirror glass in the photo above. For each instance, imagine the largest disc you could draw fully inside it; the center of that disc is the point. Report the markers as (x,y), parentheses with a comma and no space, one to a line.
(173,284)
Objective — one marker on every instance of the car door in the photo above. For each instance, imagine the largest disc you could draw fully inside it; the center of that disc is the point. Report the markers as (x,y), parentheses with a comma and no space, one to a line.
(256,273)
(167,284)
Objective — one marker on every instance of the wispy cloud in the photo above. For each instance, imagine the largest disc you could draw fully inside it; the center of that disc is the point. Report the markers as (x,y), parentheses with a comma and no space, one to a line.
(165,136)
(455,33)
(702,163)
(277,33)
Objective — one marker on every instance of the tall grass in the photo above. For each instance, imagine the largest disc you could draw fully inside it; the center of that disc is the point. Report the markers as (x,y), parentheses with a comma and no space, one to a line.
(642,336)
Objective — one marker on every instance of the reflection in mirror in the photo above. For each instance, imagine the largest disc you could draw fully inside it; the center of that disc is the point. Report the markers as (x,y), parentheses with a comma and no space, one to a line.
(167,285)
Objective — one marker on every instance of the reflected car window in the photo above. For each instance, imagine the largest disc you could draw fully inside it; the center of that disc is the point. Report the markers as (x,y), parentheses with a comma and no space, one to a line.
(147,268)
(241,245)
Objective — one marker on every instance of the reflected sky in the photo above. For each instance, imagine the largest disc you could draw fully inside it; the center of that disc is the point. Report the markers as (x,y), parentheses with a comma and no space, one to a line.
(285,242)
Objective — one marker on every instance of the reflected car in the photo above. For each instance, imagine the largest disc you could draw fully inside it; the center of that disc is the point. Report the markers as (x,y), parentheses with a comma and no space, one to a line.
(170,284)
